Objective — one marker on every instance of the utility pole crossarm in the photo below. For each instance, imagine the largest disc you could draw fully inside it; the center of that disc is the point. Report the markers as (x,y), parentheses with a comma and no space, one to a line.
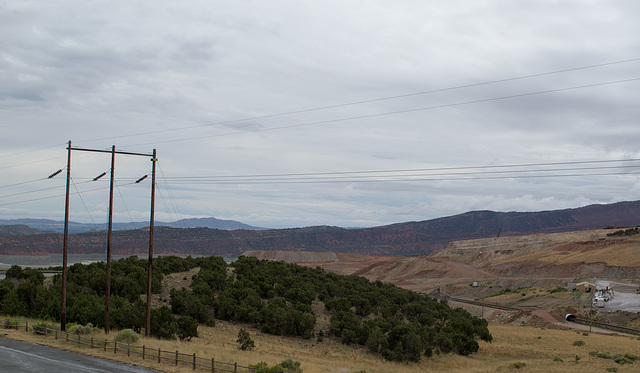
(112,151)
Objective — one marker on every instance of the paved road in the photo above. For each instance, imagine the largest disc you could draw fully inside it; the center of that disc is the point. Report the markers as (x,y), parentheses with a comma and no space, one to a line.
(23,357)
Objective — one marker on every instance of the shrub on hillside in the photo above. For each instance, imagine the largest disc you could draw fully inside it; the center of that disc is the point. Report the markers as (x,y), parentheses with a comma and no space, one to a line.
(276,297)
(517,365)
(163,324)
(80,329)
(244,340)
(626,232)
(127,336)
(187,328)
(42,327)
(286,366)
(291,366)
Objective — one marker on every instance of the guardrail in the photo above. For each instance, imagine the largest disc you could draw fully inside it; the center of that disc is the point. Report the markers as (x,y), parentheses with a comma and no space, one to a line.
(173,357)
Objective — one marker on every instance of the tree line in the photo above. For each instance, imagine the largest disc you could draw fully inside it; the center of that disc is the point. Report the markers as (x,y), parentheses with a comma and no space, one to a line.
(277,297)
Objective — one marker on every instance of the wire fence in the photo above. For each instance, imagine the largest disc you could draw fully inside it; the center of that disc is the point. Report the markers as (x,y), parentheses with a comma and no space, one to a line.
(159,355)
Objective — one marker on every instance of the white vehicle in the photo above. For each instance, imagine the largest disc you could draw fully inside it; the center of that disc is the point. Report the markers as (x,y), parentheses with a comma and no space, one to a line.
(598,301)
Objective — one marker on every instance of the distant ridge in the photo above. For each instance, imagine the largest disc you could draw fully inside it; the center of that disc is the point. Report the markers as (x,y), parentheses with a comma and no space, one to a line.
(75,227)
(210,223)
(412,238)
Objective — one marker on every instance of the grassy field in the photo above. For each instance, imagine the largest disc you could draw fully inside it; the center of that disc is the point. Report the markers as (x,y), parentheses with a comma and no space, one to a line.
(542,350)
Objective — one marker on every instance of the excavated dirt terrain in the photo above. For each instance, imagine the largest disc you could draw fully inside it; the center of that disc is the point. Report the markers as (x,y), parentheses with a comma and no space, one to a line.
(525,271)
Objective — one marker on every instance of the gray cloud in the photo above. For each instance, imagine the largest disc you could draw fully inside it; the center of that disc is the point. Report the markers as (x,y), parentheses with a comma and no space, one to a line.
(201,81)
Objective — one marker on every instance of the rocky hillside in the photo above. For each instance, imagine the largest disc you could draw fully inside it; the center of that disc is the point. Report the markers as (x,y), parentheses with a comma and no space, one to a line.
(18,230)
(551,259)
(413,238)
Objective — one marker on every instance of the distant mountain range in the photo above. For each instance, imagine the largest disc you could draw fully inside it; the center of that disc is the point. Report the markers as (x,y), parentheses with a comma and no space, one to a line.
(412,238)
(75,227)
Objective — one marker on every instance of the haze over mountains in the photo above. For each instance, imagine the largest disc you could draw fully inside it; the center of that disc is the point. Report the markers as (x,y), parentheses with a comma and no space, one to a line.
(75,227)
(411,238)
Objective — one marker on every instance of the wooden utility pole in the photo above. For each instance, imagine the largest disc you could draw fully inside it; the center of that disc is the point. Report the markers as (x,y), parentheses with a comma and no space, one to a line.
(107,305)
(147,328)
(110,230)
(65,245)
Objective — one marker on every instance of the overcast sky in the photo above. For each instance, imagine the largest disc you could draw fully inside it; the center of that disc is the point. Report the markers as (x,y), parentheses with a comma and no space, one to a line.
(290,113)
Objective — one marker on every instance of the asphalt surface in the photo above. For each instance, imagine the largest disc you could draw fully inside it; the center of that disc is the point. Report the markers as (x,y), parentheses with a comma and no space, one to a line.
(23,357)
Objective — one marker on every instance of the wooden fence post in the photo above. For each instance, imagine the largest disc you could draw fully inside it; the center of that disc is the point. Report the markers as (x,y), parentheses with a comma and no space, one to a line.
(8,324)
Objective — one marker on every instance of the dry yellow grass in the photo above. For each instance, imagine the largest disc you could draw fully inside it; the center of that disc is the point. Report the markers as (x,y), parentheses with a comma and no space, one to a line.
(538,348)
(535,347)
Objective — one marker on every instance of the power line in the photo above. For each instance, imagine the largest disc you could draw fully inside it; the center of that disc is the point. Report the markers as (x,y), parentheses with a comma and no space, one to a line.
(174,206)
(22,183)
(415,169)
(83,203)
(375,99)
(125,207)
(367,116)
(509,171)
(48,197)
(405,178)
(29,192)
(358,103)
(509,174)
(27,163)
(505,171)
(33,150)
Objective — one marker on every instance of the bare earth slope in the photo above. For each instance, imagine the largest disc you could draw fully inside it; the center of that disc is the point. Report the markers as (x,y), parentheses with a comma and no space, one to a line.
(532,264)
(544,258)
